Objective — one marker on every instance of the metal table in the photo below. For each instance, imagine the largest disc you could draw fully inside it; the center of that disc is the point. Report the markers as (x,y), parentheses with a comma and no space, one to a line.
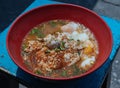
(94,80)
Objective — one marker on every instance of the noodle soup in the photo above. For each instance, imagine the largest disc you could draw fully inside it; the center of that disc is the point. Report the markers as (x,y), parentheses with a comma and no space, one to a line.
(59,48)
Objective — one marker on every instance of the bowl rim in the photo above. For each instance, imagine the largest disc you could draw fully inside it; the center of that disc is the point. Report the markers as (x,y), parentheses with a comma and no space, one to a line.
(61,78)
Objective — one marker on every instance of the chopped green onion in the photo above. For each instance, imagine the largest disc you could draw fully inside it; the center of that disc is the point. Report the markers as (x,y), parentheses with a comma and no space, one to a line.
(64,73)
(34,31)
(24,46)
(38,72)
(61,22)
(57,49)
(52,23)
(62,45)
(61,48)
(38,32)
(76,70)
(47,51)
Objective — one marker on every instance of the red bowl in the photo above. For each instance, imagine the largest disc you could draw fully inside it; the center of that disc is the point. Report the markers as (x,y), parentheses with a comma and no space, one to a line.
(25,22)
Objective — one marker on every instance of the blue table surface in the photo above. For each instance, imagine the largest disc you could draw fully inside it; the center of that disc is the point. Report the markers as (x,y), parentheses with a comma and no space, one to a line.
(93,80)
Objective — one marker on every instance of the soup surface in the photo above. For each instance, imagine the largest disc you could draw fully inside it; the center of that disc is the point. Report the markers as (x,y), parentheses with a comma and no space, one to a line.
(59,48)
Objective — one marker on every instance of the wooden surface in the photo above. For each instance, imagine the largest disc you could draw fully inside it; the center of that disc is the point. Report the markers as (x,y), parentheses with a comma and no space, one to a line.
(93,80)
